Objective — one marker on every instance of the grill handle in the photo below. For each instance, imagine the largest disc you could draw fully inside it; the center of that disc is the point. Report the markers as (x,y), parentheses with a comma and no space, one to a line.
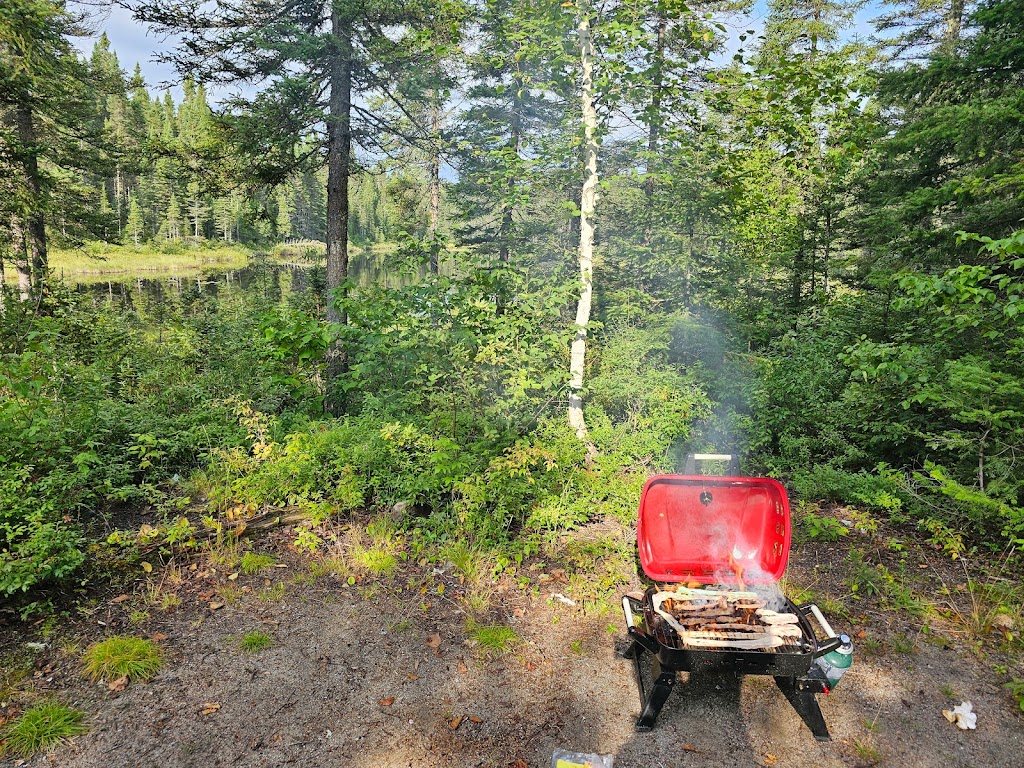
(692,459)
(834,641)
(635,633)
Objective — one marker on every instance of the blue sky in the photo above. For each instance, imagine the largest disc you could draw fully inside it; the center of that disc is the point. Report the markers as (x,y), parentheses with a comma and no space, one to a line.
(135,43)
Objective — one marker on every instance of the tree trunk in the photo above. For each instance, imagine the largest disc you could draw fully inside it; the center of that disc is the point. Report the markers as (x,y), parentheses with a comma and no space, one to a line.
(435,179)
(339,149)
(797,285)
(21,263)
(954,25)
(654,127)
(514,144)
(981,461)
(588,200)
(36,229)
(828,249)
(118,194)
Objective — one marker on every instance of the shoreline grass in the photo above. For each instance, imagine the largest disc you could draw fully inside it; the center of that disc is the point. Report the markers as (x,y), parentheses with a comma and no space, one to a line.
(102,259)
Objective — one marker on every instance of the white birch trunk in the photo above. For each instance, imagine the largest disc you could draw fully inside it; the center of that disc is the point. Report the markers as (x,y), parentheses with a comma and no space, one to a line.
(588,200)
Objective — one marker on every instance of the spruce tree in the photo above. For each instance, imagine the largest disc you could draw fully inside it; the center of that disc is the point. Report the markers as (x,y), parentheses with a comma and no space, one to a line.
(172,220)
(45,99)
(135,225)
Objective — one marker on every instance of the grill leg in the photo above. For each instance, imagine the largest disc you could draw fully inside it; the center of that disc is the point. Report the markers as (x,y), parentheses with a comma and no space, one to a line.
(800,694)
(652,701)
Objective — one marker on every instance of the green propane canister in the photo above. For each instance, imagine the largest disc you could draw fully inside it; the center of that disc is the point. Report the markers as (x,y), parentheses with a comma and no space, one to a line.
(835,663)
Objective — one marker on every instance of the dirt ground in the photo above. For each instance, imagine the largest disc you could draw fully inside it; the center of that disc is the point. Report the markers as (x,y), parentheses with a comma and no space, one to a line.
(356,677)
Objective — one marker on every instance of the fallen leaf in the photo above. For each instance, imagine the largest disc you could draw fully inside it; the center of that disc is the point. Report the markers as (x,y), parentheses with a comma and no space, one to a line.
(387,702)
(455,722)
(208,595)
(210,707)
(118,685)
(216,606)
(433,640)
(688,747)
(770,759)
(558,574)
(462,666)
(239,530)
(520,763)
(120,599)
(147,566)
(232,576)
(862,634)
(158,637)
(412,677)
(475,719)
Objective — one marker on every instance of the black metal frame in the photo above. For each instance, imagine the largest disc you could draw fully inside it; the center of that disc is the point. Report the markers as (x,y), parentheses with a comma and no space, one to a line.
(795,673)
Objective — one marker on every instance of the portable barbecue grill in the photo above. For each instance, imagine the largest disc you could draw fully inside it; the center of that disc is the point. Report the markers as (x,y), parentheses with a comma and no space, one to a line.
(733,534)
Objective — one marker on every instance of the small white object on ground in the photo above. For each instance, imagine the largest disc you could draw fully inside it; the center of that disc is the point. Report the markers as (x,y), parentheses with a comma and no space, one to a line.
(562,598)
(962,716)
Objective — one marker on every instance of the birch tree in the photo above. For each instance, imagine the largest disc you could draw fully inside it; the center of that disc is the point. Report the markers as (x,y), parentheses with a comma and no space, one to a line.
(588,202)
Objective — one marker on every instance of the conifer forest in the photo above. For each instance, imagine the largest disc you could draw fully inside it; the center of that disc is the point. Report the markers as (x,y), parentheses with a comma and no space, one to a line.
(379,287)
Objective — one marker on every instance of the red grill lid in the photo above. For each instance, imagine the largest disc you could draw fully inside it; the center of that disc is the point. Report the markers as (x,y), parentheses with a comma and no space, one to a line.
(691,528)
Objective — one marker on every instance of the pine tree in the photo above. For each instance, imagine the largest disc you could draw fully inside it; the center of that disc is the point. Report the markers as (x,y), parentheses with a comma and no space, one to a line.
(915,29)
(198,210)
(284,214)
(513,103)
(135,226)
(45,98)
(172,220)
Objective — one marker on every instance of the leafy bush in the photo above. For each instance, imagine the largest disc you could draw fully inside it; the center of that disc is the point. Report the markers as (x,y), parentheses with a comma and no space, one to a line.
(348,464)
(99,408)
(39,542)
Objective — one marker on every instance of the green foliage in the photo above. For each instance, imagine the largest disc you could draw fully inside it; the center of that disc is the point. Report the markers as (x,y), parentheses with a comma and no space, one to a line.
(441,346)
(1016,689)
(39,541)
(295,344)
(374,560)
(822,527)
(252,563)
(133,657)
(40,728)
(99,408)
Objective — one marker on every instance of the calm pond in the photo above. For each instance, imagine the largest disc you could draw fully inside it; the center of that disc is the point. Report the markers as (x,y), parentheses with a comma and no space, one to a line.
(261,275)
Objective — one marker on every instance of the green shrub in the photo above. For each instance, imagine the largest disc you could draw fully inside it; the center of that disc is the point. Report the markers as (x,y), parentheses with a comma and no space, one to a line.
(38,542)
